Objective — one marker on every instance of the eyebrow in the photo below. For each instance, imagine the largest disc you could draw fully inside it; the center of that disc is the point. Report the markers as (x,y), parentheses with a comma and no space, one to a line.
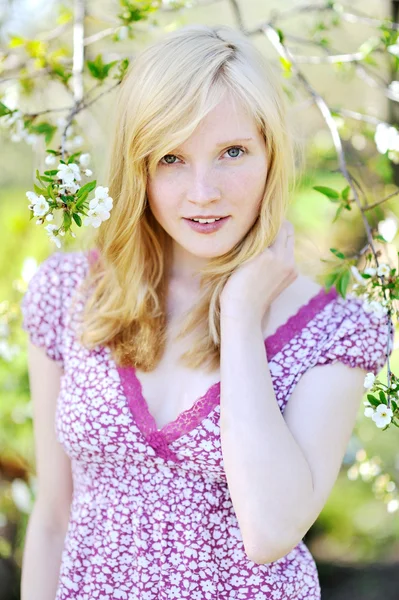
(232,142)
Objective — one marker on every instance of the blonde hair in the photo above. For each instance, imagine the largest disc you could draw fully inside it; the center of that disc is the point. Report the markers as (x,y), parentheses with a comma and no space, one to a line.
(168,89)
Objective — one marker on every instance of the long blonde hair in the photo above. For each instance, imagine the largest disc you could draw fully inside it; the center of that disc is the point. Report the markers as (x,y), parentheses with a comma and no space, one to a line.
(169,88)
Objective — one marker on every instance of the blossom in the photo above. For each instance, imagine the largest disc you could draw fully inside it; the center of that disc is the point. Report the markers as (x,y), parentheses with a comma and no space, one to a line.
(50,160)
(384,270)
(393,49)
(84,159)
(88,172)
(68,173)
(375,307)
(101,201)
(386,138)
(388,228)
(369,380)
(72,188)
(382,416)
(95,217)
(50,229)
(368,411)
(39,204)
(370,271)
(357,275)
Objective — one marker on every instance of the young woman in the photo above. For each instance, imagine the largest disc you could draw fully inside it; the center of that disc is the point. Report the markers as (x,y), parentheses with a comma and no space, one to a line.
(193,393)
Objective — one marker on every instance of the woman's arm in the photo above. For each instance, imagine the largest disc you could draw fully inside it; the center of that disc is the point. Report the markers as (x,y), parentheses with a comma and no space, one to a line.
(48,521)
(280,470)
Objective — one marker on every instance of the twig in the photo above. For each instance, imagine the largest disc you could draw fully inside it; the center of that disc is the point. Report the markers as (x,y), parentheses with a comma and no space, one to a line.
(77,68)
(235,7)
(381,201)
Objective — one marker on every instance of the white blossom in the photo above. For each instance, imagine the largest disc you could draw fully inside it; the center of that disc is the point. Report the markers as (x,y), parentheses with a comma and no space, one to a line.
(394,49)
(384,270)
(21,495)
(71,188)
(88,172)
(39,203)
(388,228)
(94,218)
(49,217)
(394,88)
(357,275)
(368,411)
(50,160)
(370,271)
(369,380)
(123,32)
(382,415)
(386,138)
(50,229)
(84,159)
(68,173)
(375,307)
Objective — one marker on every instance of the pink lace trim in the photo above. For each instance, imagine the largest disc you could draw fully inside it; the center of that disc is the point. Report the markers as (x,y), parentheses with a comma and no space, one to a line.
(192,417)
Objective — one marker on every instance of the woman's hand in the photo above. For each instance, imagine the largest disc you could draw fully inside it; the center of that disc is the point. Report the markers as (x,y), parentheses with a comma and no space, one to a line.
(257,283)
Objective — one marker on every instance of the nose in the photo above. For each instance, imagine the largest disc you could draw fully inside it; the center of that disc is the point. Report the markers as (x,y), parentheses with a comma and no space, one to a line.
(201,187)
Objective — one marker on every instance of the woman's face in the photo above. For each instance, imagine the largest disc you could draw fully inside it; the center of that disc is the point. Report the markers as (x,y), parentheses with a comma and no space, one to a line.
(219,170)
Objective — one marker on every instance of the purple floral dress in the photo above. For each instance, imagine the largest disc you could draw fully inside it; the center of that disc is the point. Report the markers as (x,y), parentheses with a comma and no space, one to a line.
(151,516)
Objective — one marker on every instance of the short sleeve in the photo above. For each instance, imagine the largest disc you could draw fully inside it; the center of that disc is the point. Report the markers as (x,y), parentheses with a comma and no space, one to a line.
(41,307)
(360,338)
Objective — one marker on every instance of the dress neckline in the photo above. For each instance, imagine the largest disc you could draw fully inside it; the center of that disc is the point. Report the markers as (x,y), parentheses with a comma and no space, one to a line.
(160,438)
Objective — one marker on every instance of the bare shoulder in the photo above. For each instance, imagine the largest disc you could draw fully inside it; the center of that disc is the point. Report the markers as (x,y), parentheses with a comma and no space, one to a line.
(300,292)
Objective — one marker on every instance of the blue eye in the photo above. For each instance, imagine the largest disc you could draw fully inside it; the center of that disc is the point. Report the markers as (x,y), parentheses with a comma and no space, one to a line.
(236,149)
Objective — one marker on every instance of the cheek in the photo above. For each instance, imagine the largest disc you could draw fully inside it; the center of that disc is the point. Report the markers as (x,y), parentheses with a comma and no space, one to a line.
(248,183)
(159,194)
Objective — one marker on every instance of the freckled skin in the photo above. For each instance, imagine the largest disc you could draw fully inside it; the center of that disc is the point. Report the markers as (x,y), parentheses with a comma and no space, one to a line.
(205,178)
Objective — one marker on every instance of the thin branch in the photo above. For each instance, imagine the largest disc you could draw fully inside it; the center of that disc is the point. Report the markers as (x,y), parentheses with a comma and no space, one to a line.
(96,37)
(330,58)
(381,201)
(352,114)
(235,7)
(78,50)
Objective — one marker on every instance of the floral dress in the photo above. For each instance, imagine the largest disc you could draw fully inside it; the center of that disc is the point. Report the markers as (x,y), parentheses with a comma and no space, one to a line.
(151,516)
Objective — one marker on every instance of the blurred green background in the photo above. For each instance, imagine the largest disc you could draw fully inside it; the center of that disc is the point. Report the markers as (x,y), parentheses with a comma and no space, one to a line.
(359,525)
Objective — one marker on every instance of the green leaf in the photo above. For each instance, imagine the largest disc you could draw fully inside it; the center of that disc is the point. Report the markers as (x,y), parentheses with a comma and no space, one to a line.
(52,172)
(327,191)
(4,110)
(337,253)
(81,201)
(45,129)
(280,36)
(67,220)
(345,192)
(373,400)
(330,280)
(340,209)
(77,219)
(342,283)
(383,398)
(88,187)
(50,191)
(72,158)
(39,190)
(98,69)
